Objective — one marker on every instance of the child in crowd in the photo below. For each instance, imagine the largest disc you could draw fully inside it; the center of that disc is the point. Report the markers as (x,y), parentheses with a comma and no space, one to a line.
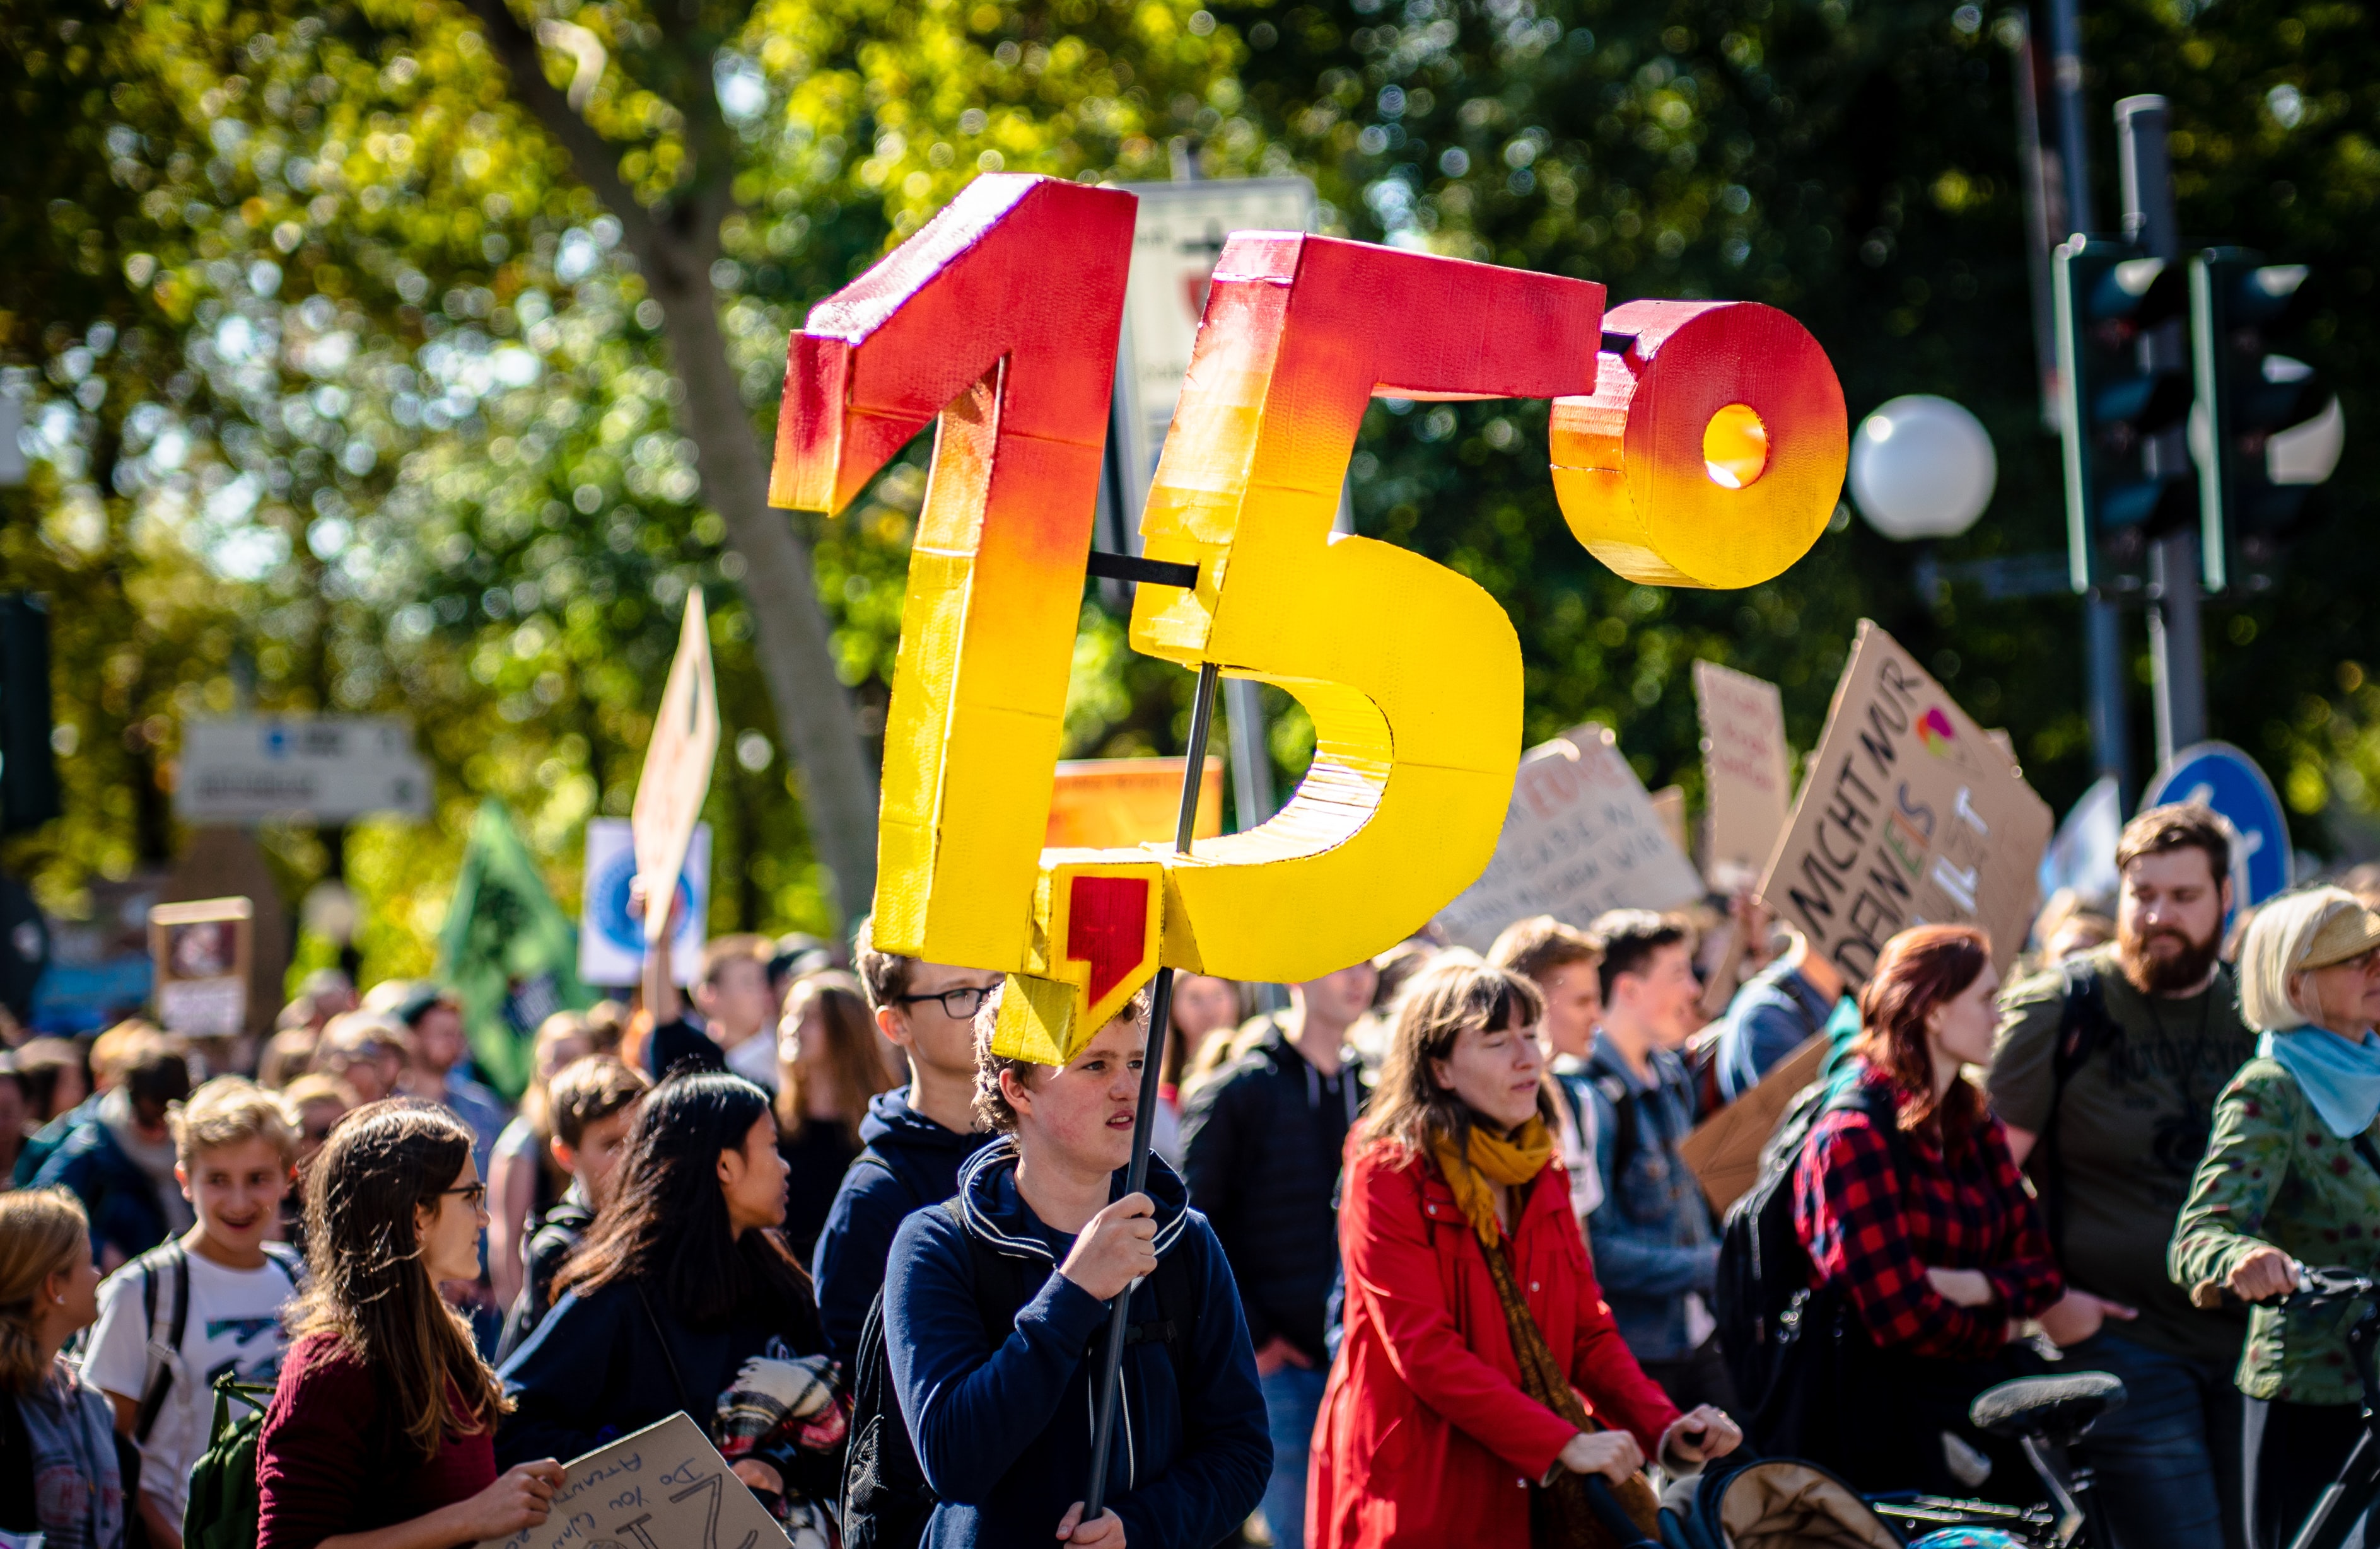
(591,1107)
(206,1302)
(61,1483)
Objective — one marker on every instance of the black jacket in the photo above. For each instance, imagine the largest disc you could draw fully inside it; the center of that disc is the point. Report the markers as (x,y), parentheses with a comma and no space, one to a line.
(909,1163)
(558,1231)
(1261,1141)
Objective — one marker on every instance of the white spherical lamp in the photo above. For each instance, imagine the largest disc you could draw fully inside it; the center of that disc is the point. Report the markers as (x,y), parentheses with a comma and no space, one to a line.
(1921,466)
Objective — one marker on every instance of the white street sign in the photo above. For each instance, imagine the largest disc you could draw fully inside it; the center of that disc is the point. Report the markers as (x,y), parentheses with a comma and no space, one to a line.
(328,769)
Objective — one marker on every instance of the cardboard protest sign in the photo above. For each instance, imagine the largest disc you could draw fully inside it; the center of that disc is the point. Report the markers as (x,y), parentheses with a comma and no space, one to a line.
(664,1487)
(1109,804)
(1723,1152)
(677,765)
(201,951)
(1746,772)
(1908,816)
(1580,837)
(611,939)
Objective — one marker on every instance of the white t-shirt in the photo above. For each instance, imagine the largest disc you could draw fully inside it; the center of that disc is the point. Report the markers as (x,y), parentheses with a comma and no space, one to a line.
(233,1323)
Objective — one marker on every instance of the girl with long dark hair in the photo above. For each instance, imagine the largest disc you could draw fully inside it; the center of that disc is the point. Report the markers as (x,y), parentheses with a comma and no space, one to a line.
(381,1432)
(1926,1252)
(1480,1377)
(684,1297)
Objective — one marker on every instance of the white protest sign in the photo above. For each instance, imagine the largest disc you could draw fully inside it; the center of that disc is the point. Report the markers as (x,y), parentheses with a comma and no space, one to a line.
(1746,767)
(1909,815)
(329,768)
(677,764)
(610,940)
(1581,837)
(665,1487)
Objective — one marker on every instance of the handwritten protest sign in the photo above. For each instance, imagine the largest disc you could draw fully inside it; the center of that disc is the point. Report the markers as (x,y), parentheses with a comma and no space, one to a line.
(1580,837)
(1909,815)
(1745,773)
(1104,803)
(665,1487)
(677,766)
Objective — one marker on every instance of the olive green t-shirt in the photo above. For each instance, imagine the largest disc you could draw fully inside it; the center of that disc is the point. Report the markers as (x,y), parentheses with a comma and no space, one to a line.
(2131,1128)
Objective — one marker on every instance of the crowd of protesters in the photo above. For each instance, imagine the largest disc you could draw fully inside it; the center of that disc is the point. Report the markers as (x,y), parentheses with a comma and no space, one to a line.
(1423,1247)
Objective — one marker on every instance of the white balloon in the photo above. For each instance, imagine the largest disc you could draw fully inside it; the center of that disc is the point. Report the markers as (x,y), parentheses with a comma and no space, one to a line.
(1921,466)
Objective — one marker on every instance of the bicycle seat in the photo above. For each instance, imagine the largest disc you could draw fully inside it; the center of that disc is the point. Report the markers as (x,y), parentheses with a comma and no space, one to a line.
(2058,1409)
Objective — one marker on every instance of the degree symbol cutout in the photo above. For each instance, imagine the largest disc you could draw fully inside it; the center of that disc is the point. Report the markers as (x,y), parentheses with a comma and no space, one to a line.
(1735,446)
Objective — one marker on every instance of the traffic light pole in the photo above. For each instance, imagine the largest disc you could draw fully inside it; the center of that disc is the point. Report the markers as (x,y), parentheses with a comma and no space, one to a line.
(2102,646)
(2176,651)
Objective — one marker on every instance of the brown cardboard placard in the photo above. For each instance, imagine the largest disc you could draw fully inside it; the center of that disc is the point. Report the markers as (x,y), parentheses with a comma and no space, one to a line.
(664,1487)
(1581,836)
(676,776)
(1747,772)
(1907,815)
(202,951)
(1723,1152)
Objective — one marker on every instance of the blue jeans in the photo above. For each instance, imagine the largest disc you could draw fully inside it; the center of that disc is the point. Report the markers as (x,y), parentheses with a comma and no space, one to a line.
(2168,1461)
(1292,1398)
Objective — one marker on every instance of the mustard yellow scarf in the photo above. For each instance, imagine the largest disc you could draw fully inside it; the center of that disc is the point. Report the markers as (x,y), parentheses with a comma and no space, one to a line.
(1514,1163)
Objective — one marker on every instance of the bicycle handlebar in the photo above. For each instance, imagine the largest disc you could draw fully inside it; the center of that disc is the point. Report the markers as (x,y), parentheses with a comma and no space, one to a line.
(2316,1288)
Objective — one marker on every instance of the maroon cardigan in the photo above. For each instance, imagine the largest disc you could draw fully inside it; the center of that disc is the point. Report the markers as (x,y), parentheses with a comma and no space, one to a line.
(334,1460)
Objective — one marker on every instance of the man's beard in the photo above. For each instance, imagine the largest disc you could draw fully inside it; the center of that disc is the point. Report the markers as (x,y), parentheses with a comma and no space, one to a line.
(2179,973)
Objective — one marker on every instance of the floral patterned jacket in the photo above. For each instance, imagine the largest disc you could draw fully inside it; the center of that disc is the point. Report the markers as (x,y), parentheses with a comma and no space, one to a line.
(2272,1174)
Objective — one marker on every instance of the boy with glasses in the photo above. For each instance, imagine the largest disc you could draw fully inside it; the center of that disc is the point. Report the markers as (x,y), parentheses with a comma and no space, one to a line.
(916,1136)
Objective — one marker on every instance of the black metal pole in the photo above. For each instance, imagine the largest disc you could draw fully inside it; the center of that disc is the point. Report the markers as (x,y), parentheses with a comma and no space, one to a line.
(1144,1119)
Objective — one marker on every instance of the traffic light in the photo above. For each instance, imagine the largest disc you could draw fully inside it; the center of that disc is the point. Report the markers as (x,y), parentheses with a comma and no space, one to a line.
(29,774)
(2265,428)
(2112,408)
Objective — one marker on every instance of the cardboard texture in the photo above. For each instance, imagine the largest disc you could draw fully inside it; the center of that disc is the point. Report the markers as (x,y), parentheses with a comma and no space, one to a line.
(676,776)
(664,1487)
(1746,772)
(1909,815)
(1580,836)
(1112,803)
(1000,316)
(202,951)
(1723,1151)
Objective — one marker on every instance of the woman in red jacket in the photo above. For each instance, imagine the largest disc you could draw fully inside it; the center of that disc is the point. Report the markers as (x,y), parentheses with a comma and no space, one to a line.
(1474,1324)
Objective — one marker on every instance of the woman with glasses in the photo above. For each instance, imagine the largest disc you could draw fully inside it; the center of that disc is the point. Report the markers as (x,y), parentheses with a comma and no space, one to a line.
(2291,1177)
(382,1434)
(684,1297)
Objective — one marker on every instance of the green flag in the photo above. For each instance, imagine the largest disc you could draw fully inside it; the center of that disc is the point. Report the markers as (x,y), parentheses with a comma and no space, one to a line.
(508,950)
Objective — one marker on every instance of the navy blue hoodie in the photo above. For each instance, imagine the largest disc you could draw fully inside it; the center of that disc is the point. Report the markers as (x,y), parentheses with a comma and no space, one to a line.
(910,1162)
(1001,1418)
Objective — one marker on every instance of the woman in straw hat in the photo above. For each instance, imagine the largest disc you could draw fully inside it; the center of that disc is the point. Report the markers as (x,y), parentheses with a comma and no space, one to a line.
(2290,1176)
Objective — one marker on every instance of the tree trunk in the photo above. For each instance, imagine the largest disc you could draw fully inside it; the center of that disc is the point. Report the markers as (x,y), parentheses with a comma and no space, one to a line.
(674,249)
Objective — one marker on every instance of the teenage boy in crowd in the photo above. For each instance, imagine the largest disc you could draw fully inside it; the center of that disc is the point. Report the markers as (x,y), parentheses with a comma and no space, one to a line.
(735,1015)
(1563,961)
(995,1315)
(1260,1145)
(1775,1011)
(915,1136)
(205,1304)
(1655,1249)
(593,1106)
(118,1159)
(2105,1073)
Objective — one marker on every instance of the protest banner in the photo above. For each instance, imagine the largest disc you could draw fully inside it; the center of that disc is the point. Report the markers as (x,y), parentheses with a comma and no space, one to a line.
(1723,1151)
(201,953)
(664,1487)
(1580,837)
(677,764)
(1111,803)
(1746,773)
(611,938)
(507,949)
(1909,815)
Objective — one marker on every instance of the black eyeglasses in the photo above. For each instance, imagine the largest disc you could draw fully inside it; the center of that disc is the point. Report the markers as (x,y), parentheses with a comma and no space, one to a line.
(957,1004)
(474,1194)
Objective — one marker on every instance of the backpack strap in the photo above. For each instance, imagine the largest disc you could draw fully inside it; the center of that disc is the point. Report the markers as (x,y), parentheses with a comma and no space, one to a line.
(2082,1019)
(169,1316)
(292,1263)
(1622,1098)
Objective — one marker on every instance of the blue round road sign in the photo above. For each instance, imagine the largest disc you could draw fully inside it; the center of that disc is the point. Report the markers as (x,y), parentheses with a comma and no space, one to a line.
(2229,782)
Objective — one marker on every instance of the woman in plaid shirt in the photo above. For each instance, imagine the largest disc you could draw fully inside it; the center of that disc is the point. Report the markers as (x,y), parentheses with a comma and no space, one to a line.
(1927,1235)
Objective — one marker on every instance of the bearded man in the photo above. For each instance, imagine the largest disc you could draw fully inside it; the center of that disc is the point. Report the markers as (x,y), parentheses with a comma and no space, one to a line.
(2106,1073)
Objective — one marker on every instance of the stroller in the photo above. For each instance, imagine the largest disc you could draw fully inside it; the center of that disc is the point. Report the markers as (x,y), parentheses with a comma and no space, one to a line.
(1746,1501)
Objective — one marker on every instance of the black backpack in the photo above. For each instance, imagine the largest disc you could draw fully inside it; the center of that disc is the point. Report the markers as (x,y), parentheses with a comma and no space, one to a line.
(2082,1023)
(1768,1315)
(886,1500)
(166,1303)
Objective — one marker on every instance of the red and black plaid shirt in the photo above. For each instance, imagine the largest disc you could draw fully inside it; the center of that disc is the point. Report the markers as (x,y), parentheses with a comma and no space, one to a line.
(1875,1231)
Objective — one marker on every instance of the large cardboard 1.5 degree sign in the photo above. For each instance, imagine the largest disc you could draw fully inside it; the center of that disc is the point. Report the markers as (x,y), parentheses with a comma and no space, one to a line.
(1909,815)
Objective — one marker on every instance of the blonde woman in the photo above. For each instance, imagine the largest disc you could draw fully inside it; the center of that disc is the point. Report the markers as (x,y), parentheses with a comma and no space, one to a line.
(829,1067)
(58,1473)
(2291,1177)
